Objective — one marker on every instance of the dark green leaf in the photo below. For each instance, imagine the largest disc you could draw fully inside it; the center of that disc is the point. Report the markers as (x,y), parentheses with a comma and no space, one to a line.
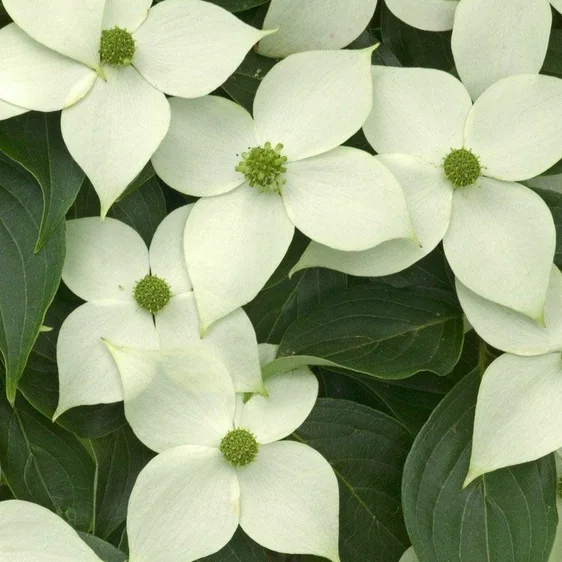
(243,84)
(553,61)
(506,516)
(107,552)
(40,384)
(238,5)
(280,304)
(380,331)
(28,280)
(120,456)
(240,549)
(34,141)
(414,47)
(45,464)
(143,208)
(367,451)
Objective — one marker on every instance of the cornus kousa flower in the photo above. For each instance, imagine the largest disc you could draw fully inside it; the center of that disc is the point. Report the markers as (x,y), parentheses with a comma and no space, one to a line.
(518,44)
(121,57)
(457,164)
(221,462)
(518,417)
(315,24)
(139,298)
(260,178)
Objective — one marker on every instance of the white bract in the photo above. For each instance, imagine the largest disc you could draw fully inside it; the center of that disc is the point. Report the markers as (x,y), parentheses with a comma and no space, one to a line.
(313,25)
(517,44)
(121,56)
(457,163)
(518,415)
(261,178)
(221,462)
(138,298)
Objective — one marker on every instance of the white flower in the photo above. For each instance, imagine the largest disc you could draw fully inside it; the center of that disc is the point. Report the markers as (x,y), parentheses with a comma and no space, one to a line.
(121,58)
(108,265)
(456,163)
(221,461)
(518,415)
(32,533)
(491,39)
(313,25)
(256,191)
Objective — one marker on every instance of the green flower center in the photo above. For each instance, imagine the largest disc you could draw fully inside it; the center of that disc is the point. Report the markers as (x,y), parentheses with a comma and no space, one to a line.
(152,293)
(239,447)
(263,167)
(117,47)
(462,167)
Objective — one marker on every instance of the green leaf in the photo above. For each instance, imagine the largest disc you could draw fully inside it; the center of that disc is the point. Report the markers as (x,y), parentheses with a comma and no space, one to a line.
(45,464)
(553,61)
(40,384)
(414,47)
(238,5)
(367,451)
(107,552)
(34,141)
(243,84)
(240,549)
(378,330)
(281,303)
(120,456)
(506,516)
(28,280)
(410,401)
(554,202)
(144,208)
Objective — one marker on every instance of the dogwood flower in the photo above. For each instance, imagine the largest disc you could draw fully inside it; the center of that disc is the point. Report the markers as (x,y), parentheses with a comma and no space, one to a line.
(221,462)
(121,56)
(313,25)
(139,298)
(457,164)
(518,417)
(518,44)
(261,178)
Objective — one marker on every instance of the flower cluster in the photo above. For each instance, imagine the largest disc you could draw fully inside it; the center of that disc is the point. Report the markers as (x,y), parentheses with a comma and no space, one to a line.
(162,328)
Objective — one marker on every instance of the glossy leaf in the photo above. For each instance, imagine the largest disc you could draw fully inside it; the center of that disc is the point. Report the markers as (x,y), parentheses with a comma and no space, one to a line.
(506,516)
(34,141)
(28,280)
(45,464)
(367,451)
(380,331)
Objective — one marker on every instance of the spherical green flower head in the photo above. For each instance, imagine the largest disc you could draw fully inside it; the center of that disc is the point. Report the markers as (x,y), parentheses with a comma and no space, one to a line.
(239,447)
(462,167)
(152,293)
(117,47)
(263,167)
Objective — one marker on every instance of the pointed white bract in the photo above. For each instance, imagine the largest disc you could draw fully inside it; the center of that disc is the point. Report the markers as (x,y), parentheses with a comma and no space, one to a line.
(52,61)
(517,45)
(312,25)
(430,15)
(499,236)
(188,501)
(104,263)
(305,107)
(31,533)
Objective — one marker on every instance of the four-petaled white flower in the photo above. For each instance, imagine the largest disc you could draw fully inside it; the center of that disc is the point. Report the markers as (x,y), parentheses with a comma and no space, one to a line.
(139,298)
(121,56)
(221,462)
(492,39)
(313,25)
(518,415)
(457,164)
(261,178)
